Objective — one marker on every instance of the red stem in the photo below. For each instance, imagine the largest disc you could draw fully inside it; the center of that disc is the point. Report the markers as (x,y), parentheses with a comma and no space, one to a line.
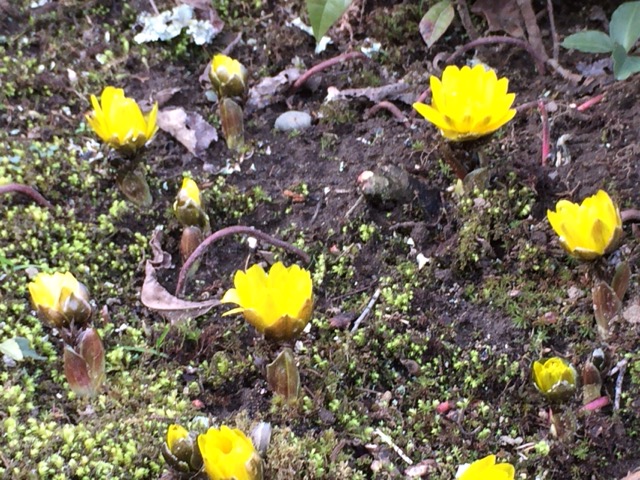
(324,65)
(545,132)
(236,229)
(498,39)
(589,103)
(391,108)
(25,190)
(597,404)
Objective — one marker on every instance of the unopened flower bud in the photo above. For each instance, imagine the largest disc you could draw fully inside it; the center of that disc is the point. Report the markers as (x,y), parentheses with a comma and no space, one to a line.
(283,376)
(188,206)
(181,451)
(231,117)
(60,299)
(228,76)
(84,363)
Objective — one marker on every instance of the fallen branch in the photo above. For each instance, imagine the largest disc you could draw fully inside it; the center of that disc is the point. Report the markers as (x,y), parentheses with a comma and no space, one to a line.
(234,230)
(25,190)
(324,65)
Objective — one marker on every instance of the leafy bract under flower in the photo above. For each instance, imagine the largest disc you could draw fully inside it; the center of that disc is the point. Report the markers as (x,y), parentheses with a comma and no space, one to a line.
(60,298)
(119,122)
(468,103)
(555,378)
(228,454)
(487,469)
(278,304)
(588,230)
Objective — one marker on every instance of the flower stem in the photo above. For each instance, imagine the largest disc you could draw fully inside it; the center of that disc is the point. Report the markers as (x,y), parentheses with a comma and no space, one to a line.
(630,215)
(324,65)
(234,230)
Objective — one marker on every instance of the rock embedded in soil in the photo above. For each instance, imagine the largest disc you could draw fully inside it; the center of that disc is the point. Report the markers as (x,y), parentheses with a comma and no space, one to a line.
(293,120)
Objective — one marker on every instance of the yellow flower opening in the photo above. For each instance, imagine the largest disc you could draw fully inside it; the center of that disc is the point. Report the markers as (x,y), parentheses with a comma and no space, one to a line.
(468,103)
(555,378)
(228,76)
(589,230)
(487,469)
(228,454)
(60,298)
(118,121)
(278,304)
(174,434)
(189,193)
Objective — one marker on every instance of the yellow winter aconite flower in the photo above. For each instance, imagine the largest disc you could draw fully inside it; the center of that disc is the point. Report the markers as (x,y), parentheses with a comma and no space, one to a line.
(188,206)
(229,455)
(228,76)
(487,469)
(175,433)
(180,450)
(555,378)
(60,299)
(468,102)
(278,304)
(118,121)
(588,230)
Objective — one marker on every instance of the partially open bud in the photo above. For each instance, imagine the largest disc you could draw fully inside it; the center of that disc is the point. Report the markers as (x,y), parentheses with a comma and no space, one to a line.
(555,378)
(283,376)
(188,206)
(228,76)
(228,454)
(60,299)
(231,117)
(84,363)
(181,451)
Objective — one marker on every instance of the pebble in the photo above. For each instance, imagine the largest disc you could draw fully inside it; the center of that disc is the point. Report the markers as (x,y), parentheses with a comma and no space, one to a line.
(293,120)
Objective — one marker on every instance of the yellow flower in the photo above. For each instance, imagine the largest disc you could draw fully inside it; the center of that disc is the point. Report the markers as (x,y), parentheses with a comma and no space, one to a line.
(60,299)
(487,469)
(588,230)
(118,121)
(278,304)
(555,378)
(228,76)
(180,450)
(468,103)
(188,206)
(175,433)
(229,455)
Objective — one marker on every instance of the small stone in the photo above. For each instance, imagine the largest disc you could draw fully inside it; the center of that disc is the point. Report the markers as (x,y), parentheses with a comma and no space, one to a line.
(293,120)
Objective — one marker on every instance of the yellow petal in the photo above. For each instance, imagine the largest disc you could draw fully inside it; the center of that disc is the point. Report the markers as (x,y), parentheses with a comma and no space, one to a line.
(175,433)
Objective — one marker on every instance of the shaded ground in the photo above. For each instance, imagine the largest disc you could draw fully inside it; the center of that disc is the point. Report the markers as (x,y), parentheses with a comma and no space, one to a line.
(495,294)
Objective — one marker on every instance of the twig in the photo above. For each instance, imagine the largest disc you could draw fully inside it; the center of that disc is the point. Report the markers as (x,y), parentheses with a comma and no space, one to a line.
(229,48)
(25,190)
(234,230)
(530,105)
(324,65)
(465,19)
(387,439)
(154,7)
(533,31)
(545,132)
(315,214)
(630,215)
(620,368)
(366,310)
(540,61)
(554,33)
(589,103)
(391,108)
(354,206)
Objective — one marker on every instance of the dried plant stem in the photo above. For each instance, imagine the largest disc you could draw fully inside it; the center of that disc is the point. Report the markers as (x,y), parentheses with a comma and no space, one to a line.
(540,61)
(366,310)
(554,33)
(620,369)
(465,18)
(545,132)
(630,215)
(324,65)
(25,190)
(154,7)
(533,31)
(234,230)
(391,108)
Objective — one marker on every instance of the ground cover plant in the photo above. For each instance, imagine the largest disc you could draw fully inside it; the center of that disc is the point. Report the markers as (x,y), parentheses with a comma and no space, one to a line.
(231,249)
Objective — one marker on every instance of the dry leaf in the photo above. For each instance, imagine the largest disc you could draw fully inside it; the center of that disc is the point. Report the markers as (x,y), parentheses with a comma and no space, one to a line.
(501,15)
(271,89)
(190,129)
(632,476)
(155,297)
(160,259)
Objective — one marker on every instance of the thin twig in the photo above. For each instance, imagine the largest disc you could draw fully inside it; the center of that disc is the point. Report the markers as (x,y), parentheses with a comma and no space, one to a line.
(391,108)
(354,206)
(234,230)
(620,368)
(630,215)
(540,61)
(366,310)
(545,132)
(533,30)
(529,105)
(154,7)
(229,48)
(25,190)
(324,65)
(554,33)
(465,19)
(387,439)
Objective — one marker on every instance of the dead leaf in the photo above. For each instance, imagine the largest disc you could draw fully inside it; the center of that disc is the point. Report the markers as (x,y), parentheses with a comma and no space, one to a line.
(271,89)
(632,313)
(189,128)
(164,95)
(501,15)
(632,476)
(436,22)
(155,297)
(160,259)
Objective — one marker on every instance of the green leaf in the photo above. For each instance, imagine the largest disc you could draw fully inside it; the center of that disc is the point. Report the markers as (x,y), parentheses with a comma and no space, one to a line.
(324,13)
(18,348)
(436,21)
(625,25)
(624,65)
(590,41)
